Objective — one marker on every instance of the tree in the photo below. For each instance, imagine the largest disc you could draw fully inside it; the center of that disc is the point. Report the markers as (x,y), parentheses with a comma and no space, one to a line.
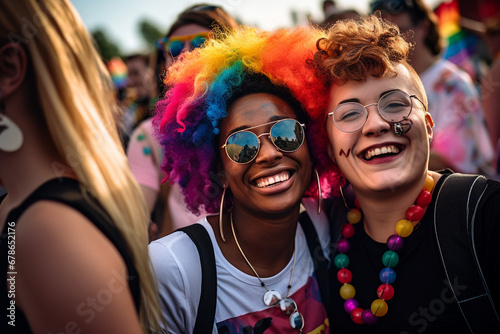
(150,32)
(106,46)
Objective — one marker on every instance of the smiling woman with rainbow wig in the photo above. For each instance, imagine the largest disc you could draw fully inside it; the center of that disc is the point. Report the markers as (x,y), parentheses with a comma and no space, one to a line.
(233,128)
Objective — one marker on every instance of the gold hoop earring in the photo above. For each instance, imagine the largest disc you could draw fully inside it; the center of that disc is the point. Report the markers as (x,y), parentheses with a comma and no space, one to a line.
(319,191)
(343,198)
(220,214)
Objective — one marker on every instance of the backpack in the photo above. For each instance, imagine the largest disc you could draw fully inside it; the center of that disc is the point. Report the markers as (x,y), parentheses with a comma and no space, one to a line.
(206,308)
(454,222)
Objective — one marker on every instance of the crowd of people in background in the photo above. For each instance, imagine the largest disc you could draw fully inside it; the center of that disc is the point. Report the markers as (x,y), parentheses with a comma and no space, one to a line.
(209,126)
(467,127)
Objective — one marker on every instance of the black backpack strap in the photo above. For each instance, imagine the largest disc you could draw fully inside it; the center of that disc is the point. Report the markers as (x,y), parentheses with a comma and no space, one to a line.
(319,259)
(208,299)
(454,215)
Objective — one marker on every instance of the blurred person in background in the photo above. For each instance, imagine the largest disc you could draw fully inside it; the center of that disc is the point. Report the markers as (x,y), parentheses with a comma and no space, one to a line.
(490,86)
(332,13)
(140,93)
(189,31)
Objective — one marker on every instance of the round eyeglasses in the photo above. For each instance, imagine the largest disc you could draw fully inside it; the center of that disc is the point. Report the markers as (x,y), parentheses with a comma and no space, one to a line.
(243,146)
(394,107)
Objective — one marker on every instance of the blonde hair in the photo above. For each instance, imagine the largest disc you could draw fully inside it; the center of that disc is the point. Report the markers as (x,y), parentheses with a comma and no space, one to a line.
(74,93)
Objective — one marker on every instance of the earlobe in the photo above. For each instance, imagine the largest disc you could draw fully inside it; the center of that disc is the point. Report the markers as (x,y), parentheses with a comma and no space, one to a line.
(223,179)
(13,66)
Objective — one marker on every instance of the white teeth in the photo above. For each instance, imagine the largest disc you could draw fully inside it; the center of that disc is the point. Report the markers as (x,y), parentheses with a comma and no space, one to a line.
(383,150)
(271,180)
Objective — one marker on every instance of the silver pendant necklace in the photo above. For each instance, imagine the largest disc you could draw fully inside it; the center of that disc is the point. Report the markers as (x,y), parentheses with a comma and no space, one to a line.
(273,297)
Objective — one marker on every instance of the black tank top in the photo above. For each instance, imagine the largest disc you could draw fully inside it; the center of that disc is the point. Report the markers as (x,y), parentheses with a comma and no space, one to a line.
(68,192)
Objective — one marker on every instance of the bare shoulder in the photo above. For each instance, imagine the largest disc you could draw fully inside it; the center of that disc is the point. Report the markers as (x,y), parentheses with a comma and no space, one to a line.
(69,275)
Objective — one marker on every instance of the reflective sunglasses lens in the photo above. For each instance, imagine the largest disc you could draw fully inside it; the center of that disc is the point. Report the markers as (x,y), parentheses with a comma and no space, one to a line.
(198,41)
(271,298)
(176,48)
(395,106)
(296,320)
(287,135)
(242,147)
(288,305)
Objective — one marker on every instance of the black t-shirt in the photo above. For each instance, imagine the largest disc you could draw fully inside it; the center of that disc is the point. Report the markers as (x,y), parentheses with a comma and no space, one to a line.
(69,192)
(422,302)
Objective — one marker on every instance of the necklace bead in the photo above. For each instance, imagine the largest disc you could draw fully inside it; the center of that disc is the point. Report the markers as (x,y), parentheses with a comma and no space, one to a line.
(356,315)
(395,242)
(424,198)
(368,317)
(343,245)
(385,291)
(404,228)
(350,304)
(390,258)
(348,231)
(344,275)
(415,213)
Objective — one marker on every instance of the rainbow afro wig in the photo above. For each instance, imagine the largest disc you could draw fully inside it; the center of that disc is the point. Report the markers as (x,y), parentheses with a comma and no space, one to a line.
(202,84)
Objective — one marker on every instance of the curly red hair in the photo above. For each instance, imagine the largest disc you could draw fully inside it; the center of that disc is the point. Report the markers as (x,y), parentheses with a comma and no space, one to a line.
(355,50)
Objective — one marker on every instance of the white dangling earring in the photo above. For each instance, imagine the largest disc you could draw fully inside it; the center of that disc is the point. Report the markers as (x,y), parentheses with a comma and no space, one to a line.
(11,137)
(220,214)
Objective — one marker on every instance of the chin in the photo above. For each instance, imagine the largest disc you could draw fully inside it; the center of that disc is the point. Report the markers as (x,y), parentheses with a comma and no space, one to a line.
(280,206)
(381,181)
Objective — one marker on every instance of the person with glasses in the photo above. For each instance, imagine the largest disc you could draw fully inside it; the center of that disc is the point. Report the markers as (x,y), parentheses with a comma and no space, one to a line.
(401,261)
(190,30)
(461,140)
(233,129)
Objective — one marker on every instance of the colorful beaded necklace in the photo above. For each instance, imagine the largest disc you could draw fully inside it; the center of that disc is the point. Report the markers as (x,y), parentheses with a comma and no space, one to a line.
(390,258)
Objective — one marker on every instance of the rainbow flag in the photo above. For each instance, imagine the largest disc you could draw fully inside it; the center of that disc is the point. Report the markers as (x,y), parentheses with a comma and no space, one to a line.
(118,71)
(461,45)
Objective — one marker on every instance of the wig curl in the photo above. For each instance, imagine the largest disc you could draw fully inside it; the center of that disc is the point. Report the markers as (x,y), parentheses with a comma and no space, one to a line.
(202,84)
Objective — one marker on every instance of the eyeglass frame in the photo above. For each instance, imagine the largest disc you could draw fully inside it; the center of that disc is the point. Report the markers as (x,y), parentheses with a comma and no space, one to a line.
(378,110)
(302,125)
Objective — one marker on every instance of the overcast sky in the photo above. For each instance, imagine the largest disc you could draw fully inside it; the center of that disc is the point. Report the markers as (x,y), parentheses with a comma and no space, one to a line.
(120,18)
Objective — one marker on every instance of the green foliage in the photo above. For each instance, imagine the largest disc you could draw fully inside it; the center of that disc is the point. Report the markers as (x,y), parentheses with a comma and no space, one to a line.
(105,45)
(150,32)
